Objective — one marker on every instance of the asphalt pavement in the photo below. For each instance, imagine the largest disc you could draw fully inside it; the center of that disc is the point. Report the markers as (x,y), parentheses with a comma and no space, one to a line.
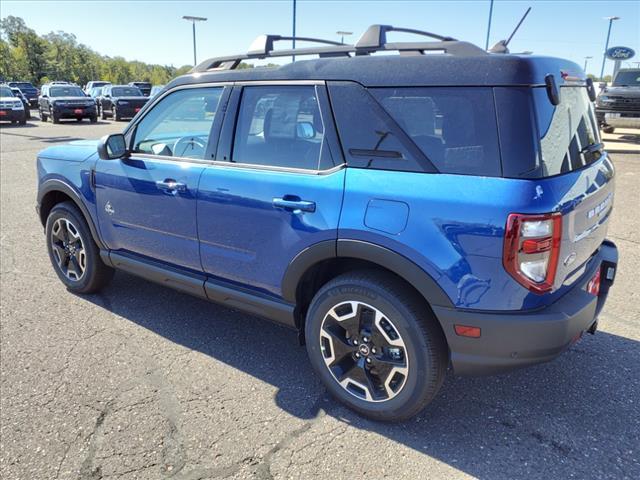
(142,382)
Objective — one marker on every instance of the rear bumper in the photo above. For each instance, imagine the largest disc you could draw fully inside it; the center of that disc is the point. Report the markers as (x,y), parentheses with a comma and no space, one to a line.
(12,115)
(511,340)
(70,112)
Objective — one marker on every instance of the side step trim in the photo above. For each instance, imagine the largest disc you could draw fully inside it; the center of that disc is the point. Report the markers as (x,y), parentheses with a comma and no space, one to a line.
(187,283)
(206,288)
(279,312)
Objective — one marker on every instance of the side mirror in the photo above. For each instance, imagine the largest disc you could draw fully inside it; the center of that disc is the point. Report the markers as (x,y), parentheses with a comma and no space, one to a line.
(602,85)
(305,130)
(591,90)
(112,147)
(552,89)
(45,96)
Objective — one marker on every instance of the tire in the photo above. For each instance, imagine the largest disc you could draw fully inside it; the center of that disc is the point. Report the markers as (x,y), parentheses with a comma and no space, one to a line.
(406,336)
(79,119)
(608,129)
(116,117)
(54,117)
(94,119)
(79,252)
(23,121)
(103,115)
(43,116)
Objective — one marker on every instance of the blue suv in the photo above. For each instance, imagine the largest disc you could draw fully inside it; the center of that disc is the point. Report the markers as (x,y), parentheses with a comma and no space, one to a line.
(406,214)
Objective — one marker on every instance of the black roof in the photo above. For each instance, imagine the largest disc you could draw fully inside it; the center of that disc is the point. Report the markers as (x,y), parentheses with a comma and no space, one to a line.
(444,62)
(399,70)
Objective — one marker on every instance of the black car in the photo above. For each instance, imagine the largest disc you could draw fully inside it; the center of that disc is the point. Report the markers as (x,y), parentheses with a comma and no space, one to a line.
(121,101)
(11,108)
(28,90)
(145,87)
(619,104)
(95,93)
(25,101)
(59,100)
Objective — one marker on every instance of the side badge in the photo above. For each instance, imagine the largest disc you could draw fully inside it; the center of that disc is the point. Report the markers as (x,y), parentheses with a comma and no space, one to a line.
(109,209)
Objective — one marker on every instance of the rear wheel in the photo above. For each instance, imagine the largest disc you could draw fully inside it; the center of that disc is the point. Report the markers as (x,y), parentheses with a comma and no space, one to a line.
(376,345)
(608,129)
(74,255)
(116,115)
(43,116)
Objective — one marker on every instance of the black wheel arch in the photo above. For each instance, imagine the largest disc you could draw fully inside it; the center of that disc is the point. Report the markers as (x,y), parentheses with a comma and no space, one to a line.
(327,255)
(54,191)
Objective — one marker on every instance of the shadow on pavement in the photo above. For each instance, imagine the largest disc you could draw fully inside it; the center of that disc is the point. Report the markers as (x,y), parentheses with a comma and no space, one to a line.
(574,417)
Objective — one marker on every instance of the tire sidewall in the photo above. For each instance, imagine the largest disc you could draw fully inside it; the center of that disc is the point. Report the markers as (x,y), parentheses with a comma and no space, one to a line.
(415,386)
(64,210)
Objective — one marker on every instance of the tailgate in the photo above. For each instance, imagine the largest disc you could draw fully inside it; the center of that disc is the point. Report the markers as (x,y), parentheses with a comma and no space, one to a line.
(586,209)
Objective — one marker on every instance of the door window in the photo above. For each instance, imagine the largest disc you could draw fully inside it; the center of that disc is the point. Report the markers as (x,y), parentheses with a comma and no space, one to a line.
(279,126)
(179,125)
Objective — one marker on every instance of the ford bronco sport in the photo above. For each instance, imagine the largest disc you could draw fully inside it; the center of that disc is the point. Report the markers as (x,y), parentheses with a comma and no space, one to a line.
(405,213)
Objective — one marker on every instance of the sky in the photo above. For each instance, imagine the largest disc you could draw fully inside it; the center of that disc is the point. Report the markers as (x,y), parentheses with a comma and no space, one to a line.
(153,31)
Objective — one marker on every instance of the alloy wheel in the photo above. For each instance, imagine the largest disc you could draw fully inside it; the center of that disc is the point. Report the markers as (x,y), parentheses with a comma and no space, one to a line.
(364,351)
(68,249)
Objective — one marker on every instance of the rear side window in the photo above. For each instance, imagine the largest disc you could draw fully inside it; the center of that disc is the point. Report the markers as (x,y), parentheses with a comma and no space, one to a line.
(566,131)
(280,126)
(455,128)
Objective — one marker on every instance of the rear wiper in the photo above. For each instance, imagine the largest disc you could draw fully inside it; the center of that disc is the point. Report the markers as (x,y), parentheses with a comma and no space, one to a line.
(593,148)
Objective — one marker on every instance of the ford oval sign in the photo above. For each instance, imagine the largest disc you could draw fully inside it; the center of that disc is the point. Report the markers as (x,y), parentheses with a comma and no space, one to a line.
(620,53)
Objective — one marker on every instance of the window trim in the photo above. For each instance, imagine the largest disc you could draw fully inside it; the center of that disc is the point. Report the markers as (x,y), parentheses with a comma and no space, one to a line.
(232,114)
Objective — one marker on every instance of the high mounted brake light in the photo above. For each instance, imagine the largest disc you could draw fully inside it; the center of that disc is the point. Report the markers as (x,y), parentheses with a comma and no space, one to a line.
(531,249)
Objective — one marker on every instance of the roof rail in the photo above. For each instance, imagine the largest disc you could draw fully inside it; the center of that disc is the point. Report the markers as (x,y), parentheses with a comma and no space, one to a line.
(373,40)
(376,36)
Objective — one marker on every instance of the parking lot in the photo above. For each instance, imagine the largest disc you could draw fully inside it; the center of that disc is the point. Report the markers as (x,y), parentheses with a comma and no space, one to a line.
(142,382)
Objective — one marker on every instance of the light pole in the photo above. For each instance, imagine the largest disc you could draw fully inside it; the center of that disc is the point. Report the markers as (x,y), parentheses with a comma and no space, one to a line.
(606,45)
(342,34)
(293,42)
(193,21)
(486,44)
(586,59)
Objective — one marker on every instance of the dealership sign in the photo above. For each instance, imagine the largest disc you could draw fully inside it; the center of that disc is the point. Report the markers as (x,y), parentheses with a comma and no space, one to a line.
(620,53)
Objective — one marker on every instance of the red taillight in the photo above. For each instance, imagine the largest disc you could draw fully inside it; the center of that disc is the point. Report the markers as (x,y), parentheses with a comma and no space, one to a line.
(593,287)
(531,249)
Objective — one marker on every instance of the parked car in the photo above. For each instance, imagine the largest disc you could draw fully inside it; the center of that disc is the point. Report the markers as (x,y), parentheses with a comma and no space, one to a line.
(403,213)
(25,101)
(62,100)
(11,107)
(156,89)
(121,101)
(145,87)
(619,104)
(28,90)
(95,93)
(93,84)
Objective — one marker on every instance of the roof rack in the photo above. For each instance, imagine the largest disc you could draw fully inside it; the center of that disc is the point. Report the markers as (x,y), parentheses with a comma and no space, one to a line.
(373,40)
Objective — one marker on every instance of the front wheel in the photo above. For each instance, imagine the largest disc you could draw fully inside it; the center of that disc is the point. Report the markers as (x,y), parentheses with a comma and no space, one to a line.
(376,345)
(116,115)
(73,253)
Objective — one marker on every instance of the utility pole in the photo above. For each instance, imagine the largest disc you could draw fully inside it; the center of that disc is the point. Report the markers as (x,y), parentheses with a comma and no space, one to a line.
(486,44)
(193,21)
(586,59)
(606,45)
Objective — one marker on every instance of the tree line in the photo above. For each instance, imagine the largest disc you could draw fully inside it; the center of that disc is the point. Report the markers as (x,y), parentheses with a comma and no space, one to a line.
(27,56)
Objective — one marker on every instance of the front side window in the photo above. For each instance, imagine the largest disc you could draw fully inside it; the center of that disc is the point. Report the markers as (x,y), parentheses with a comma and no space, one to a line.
(179,125)
(279,126)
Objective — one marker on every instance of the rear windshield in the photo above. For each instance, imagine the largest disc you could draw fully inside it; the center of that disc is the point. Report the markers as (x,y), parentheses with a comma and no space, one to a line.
(70,91)
(567,131)
(126,92)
